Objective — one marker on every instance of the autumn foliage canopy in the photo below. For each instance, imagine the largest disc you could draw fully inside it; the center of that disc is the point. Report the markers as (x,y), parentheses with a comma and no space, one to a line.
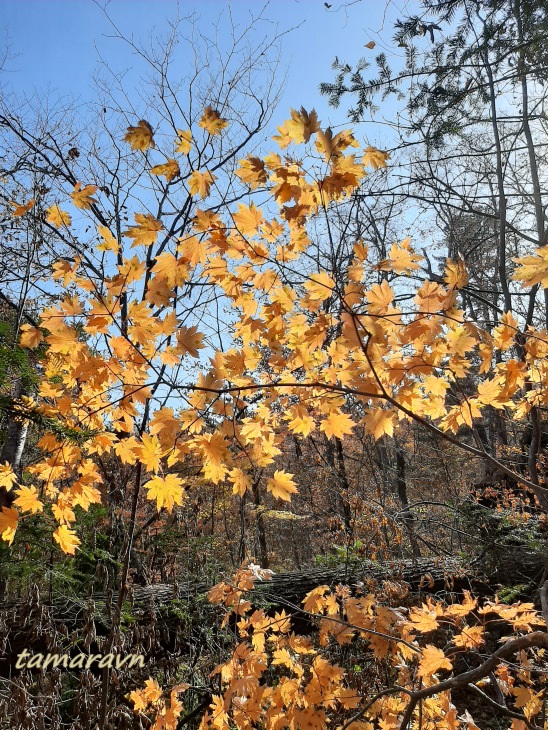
(126,375)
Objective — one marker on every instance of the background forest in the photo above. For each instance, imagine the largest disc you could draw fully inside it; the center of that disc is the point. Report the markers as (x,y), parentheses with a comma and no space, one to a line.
(273,394)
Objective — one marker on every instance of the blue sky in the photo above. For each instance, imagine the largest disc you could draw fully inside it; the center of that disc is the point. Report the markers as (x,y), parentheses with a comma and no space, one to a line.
(55,43)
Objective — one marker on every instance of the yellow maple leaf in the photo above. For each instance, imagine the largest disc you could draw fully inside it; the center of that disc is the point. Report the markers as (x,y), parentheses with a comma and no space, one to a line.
(149,695)
(212,121)
(379,422)
(31,336)
(66,539)
(65,270)
(192,250)
(337,424)
(138,699)
(19,210)
(375,158)
(331,146)
(27,500)
(167,491)
(401,259)
(219,716)
(435,386)
(314,600)
(300,421)
(213,450)
(248,218)
(319,286)
(251,430)
(150,452)
(459,341)
(183,143)
(7,476)
(380,296)
(189,341)
(530,701)
(298,129)
(471,637)
(252,172)
(58,217)
(423,619)
(533,269)
(433,659)
(241,482)
(8,523)
(141,136)
(489,391)
(145,232)
(126,449)
(199,183)
(504,334)
(464,608)
(281,657)
(169,169)
(109,242)
(82,197)
(62,509)
(165,426)
(281,485)
(456,276)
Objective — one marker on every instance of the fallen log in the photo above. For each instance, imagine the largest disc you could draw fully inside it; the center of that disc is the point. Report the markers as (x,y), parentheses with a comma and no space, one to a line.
(423,575)
(416,576)
(171,620)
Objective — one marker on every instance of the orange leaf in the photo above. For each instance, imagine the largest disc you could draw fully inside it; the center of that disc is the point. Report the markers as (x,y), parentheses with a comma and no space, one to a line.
(281,485)
(58,217)
(7,476)
(464,608)
(380,296)
(83,197)
(456,276)
(212,121)
(27,500)
(471,637)
(20,210)
(167,491)
(150,452)
(433,659)
(8,523)
(140,137)
(533,269)
(252,172)
(31,336)
(189,341)
(199,183)
(248,219)
(109,242)
(379,422)
(169,170)
(375,158)
(183,143)
(337,424)
(320,286)
(66,539)
(145,232)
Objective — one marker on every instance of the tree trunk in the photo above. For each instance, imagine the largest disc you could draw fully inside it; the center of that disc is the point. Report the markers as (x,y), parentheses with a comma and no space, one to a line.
(14,444)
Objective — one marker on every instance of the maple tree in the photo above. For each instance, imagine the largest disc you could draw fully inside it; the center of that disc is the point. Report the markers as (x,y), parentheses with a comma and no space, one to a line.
(226,347)
(127,378)
(385,357)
